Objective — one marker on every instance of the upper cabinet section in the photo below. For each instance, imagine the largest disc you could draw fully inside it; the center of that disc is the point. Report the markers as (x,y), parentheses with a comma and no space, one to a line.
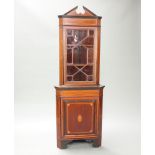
(79,40)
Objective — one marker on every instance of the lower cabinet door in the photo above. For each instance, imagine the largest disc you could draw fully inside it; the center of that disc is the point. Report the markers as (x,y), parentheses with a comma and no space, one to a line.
(79,116)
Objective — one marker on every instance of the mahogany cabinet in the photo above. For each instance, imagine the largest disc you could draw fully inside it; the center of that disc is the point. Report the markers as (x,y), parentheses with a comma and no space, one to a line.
(79,95)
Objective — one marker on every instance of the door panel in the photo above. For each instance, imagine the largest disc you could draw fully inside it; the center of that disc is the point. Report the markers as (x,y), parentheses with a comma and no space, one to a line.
(80,55)
(79,116)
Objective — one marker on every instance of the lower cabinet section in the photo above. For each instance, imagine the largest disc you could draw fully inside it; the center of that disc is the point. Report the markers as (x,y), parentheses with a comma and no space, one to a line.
(79,116)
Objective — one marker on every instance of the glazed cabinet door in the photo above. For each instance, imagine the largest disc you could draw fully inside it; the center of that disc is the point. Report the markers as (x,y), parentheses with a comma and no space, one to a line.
(79,116)
(80,54)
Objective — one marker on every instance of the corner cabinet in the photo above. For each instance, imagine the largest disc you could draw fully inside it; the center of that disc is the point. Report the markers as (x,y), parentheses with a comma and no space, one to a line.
(79,95)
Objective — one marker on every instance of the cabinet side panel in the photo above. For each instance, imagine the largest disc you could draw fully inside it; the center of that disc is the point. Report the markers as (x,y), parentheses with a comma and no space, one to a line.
(100,114)
(61,58)
(98,56)
(58,117)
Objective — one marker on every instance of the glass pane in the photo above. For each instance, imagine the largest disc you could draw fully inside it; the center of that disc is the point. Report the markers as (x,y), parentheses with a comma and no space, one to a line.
(80,55)
(91,32)
(79,35)
(90,78)
(90,55)
(70,40)
(71,70)
(69,78)
(88,41)
(79,67)
(69,55)
(80,77)
(88,70)
(69,32)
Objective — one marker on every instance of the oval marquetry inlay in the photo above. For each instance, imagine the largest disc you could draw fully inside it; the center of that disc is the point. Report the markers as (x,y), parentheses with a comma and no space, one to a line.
(79,118)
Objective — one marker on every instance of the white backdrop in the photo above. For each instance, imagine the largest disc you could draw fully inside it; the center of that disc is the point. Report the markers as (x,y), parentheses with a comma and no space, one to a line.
(36,73)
